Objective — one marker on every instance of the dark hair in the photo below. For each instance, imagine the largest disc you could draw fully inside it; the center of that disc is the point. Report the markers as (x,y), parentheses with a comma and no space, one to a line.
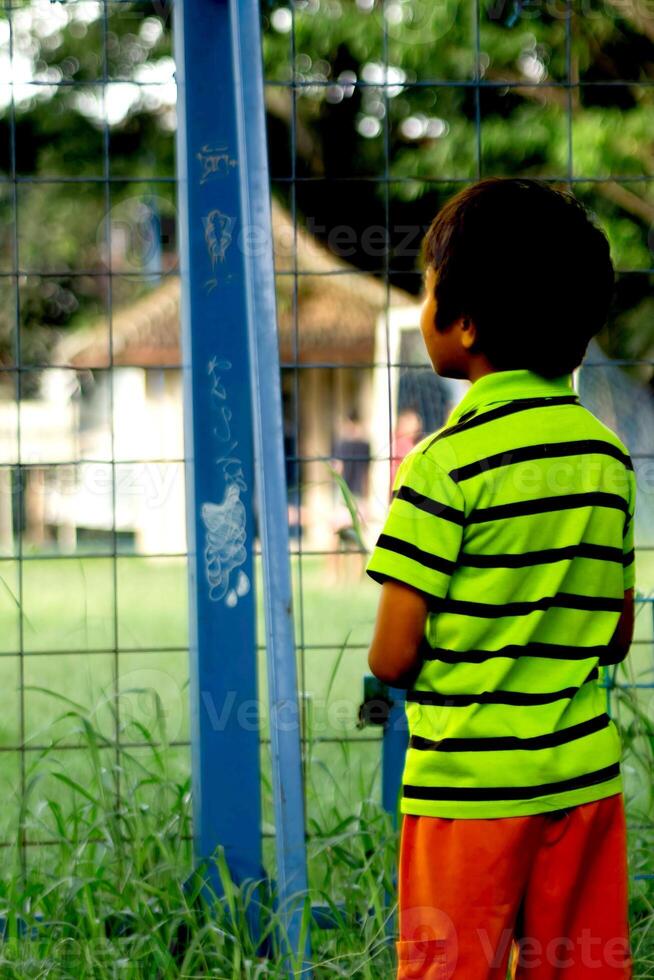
(527,265)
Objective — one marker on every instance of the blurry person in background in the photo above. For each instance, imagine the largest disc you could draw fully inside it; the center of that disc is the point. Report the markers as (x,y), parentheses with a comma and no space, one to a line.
(351,460)
(408,432)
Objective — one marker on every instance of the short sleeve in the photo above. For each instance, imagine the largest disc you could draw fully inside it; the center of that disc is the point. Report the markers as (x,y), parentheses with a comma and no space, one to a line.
(628,552)
(421,538)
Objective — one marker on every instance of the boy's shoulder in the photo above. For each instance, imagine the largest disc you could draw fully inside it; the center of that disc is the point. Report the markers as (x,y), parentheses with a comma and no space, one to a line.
(421,447)
(426,452)
(605,431)
(422,464)
(446,450)
(430,459)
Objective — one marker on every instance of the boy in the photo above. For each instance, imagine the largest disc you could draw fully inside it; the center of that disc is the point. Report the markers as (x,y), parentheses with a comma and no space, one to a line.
(507,566)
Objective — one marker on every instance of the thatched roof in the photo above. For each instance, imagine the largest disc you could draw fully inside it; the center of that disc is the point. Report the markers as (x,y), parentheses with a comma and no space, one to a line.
(336,311)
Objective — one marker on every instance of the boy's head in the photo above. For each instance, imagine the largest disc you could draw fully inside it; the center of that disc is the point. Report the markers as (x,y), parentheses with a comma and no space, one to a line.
(516,276)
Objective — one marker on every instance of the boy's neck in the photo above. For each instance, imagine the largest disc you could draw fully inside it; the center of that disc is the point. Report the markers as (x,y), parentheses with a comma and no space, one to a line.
(478,368)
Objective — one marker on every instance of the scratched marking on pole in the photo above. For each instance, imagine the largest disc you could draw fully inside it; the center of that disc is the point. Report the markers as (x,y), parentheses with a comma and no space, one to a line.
(218,238)
(225,522)
(215,160)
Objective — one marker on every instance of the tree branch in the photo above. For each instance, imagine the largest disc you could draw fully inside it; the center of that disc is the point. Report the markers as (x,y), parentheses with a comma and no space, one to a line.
(632,203)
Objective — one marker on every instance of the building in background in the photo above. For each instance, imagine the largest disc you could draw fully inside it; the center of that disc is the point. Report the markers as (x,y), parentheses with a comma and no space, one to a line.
(328,314)
(343,351)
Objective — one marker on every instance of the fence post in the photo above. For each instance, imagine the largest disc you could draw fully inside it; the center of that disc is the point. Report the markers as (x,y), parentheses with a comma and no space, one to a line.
(218,446)
(232,415)
(288,794)
(394,746)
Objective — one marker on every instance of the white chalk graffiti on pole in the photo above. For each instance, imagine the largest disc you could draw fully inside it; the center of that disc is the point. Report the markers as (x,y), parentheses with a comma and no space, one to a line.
(216,163)
(215,160)
(225,523)
(218,238)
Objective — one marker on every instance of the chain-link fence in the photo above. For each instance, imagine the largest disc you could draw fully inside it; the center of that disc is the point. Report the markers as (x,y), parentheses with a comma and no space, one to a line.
(377,112)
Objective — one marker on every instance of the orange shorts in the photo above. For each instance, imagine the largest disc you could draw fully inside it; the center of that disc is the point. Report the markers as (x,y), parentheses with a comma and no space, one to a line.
(541,896)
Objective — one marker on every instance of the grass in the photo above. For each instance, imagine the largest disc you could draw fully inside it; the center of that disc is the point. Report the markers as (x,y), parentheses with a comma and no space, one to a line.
(116,901)
(115,883)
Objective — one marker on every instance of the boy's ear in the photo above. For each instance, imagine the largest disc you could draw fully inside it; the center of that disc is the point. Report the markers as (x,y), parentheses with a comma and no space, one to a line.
(468,333)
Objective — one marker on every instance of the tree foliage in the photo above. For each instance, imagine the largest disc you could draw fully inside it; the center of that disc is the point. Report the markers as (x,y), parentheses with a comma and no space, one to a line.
(61,136)
(450,91)
(394,104)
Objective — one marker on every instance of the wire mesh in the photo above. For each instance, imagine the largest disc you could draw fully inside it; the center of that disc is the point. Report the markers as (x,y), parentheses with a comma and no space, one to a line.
(377,112)
(87,252)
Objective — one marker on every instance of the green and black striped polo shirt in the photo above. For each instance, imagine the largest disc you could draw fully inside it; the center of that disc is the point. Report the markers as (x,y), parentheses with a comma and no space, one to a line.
(516,521)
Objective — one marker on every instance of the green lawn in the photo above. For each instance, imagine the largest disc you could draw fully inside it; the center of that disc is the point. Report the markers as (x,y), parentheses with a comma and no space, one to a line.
(69,623)
(67,682)
(69,619)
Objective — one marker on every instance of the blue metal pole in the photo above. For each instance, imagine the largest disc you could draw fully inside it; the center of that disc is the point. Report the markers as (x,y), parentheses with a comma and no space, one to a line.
(270,471)
(394,746)
(218,446)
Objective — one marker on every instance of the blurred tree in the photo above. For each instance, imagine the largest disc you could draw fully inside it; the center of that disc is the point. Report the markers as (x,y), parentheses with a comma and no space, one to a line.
(372,146)
(437,129)
(66,131)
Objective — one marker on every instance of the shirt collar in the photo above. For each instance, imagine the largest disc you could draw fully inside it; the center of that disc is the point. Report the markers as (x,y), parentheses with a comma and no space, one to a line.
(505,386)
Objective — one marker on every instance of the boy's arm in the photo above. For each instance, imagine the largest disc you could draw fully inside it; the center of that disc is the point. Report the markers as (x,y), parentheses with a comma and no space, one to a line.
(620,642)
(413,559)
(624,633)
(399,629)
